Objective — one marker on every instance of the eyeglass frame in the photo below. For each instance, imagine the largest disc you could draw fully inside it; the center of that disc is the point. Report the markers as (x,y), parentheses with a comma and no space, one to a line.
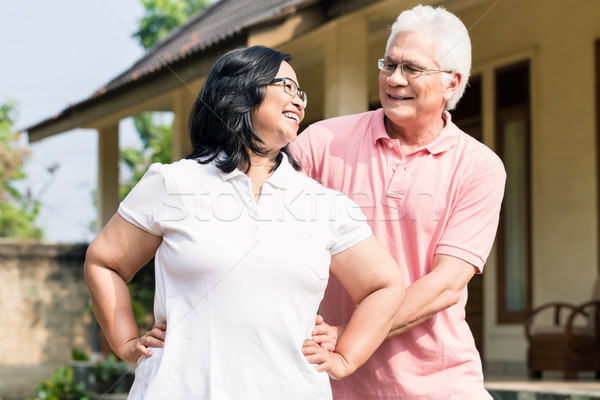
(381,65)
(296,92)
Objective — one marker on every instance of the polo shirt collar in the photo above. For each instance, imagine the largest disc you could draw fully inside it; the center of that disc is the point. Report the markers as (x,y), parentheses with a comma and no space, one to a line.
(447,138)
(225,176)
(278,179)
(378,131)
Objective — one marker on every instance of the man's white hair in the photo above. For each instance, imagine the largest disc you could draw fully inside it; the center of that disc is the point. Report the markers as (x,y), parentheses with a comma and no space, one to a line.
(451,40)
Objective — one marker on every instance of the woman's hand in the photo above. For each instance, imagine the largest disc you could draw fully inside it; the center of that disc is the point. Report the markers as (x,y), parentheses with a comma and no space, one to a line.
(135,348)
(333,363)
(325,334)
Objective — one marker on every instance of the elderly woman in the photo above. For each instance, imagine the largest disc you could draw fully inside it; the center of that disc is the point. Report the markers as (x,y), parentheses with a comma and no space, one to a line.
(243,246)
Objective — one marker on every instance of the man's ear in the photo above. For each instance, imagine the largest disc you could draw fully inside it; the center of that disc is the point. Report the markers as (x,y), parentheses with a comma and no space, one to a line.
(453,85)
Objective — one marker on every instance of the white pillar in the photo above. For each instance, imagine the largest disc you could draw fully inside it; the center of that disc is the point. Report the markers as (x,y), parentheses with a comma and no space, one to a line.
(346,90)
(183,101)
(108,174)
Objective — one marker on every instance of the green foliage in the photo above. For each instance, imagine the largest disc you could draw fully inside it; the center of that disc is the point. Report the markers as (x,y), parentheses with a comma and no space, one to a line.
(109,369)
(163,16)
(160,19)
(62,386)
(16,220)
(79,355)
(142,303)
(17,212)
(156,136)
(111,376)
(83,380)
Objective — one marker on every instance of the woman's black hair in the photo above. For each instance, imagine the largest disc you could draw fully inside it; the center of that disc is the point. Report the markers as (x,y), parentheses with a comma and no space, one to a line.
(221,119)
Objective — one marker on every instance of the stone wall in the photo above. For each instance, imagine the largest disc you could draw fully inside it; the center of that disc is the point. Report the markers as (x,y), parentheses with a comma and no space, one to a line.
(44,309)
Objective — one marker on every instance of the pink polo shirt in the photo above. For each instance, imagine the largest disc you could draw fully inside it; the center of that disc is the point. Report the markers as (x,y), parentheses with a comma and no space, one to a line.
(441,199)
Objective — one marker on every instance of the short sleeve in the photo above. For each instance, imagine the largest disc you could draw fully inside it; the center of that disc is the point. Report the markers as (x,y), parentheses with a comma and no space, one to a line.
(349,223)
(143,206)
(301,150)
(470,231)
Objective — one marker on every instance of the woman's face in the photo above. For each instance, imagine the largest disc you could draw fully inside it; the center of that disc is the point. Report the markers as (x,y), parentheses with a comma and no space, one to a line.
(276,120)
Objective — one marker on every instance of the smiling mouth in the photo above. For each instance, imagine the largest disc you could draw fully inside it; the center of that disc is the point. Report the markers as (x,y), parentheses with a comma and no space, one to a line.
(292,116)
(400,97)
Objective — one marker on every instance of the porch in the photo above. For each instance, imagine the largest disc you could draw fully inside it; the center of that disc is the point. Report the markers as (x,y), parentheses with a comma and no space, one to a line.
(517,386)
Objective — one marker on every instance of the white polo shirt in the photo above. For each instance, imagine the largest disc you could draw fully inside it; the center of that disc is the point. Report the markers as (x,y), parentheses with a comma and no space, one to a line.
(238,283)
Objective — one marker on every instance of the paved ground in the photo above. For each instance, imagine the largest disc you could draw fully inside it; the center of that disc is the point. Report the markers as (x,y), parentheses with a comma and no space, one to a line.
(550,387)
(18,383)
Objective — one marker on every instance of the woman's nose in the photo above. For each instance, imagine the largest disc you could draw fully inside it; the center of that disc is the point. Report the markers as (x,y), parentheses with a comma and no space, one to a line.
(298,102)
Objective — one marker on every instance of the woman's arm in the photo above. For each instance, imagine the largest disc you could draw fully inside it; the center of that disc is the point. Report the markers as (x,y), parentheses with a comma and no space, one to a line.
(373,280)
(430,294)
(112,259)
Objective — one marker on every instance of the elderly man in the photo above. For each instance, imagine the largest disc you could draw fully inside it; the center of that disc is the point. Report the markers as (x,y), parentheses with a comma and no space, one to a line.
(431,193)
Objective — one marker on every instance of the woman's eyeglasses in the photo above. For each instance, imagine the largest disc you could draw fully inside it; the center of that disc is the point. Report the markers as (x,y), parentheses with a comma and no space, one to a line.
(291,87)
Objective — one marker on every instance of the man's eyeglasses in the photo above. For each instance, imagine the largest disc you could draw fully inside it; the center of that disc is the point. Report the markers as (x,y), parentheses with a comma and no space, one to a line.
(291,87)
(409,70)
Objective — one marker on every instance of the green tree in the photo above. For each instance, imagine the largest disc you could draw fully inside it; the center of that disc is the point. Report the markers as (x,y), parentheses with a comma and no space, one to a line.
(160,19)
(163,16)
(17,212)
(156,136)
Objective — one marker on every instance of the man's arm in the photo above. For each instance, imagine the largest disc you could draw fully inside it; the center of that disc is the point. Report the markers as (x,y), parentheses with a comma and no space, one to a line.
(427,296)
(432,293)
(473,225)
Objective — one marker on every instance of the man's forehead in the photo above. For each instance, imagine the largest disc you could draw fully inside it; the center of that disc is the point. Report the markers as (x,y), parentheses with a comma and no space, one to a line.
(407,57)
(411,46)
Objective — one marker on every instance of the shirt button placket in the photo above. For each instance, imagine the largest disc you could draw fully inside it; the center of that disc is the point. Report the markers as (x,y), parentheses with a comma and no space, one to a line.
(396,186)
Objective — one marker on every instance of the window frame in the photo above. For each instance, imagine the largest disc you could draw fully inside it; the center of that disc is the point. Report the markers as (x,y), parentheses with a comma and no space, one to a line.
(510,113)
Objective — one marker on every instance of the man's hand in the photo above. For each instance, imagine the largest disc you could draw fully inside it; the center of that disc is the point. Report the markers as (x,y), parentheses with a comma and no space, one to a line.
(333,363)
(326,335)
(138,347)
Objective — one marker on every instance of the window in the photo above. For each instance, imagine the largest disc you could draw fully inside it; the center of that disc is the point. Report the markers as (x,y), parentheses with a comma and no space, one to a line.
(467,116)
(598,136)
(513,239)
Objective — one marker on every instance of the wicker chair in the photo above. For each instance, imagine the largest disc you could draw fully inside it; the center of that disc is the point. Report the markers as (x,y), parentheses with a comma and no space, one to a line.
(571,343)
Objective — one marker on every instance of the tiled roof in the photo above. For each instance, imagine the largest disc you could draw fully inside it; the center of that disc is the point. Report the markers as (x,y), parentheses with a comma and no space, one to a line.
(221,21)
(224,20)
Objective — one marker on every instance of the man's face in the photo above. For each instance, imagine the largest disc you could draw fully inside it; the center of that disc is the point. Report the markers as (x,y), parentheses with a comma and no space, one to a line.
(414,100)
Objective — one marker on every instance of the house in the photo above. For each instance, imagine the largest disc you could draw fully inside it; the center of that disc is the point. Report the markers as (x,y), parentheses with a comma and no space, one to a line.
(534,98)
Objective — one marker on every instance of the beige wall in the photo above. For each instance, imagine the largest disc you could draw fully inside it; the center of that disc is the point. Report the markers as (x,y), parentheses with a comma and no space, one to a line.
(559,40)
(44,309)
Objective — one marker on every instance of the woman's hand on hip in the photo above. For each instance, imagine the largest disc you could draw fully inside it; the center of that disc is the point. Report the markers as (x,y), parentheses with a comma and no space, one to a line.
(135,348)
(333,363)
(326,335)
